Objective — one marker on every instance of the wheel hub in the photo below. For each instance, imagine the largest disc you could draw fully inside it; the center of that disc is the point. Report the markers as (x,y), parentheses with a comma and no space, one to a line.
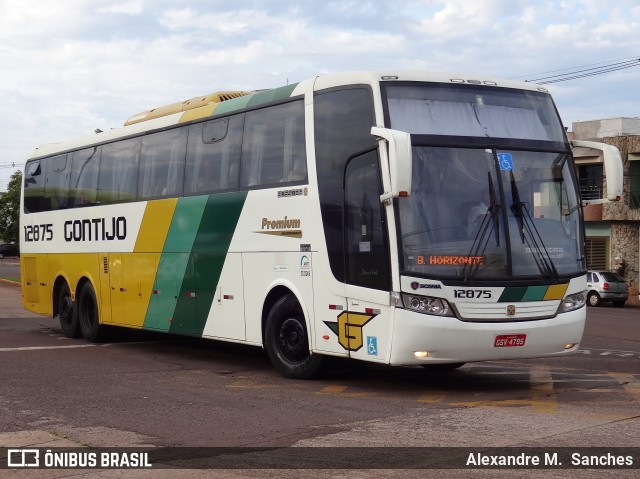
(292,339)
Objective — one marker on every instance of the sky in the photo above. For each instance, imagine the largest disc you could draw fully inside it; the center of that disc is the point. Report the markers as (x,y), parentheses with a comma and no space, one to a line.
(68,67)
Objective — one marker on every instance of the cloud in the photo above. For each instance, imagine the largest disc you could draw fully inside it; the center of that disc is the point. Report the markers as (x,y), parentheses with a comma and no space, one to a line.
(132,7)
(70,67)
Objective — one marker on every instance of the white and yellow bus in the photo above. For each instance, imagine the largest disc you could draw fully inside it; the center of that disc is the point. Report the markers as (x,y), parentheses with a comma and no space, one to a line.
(404,218)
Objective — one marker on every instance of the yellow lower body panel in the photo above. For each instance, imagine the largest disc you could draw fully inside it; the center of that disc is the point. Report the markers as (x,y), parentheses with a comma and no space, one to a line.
(123,282)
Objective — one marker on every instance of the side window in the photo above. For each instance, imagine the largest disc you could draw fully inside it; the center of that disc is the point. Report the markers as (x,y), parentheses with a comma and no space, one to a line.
(342,128)
(213,156)
(34,181)
(118,178)
(365,224)
(162,164)
(56,191)
(589,278)
(273,148)
(84,177)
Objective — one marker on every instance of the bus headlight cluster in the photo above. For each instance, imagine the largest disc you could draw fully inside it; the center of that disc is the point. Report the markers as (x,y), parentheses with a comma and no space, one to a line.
(427,305)
(572,302)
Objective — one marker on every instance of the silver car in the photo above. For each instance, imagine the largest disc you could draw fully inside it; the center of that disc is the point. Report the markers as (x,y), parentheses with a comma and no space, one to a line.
(606,286)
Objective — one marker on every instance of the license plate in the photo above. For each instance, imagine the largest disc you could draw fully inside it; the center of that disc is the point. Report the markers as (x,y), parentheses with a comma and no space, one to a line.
(509,340)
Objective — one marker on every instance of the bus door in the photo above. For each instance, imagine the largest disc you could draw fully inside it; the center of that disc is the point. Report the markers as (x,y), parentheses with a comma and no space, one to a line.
(366,328)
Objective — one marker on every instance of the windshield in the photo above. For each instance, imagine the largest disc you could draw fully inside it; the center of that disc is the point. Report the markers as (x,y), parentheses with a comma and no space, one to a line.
(490,214)
(476,111)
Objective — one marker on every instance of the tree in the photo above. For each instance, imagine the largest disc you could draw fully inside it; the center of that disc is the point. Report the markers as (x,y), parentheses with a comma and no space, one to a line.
(10,210)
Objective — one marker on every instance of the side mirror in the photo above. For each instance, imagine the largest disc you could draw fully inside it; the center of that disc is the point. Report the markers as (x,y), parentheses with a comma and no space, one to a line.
(397,168)
(612,167)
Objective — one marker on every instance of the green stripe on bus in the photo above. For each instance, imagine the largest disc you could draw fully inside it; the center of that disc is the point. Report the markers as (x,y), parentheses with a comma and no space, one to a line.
(254,99)
(204,266)
(512,294)
(532,293)
(174,262)
(535,293)
(272,95)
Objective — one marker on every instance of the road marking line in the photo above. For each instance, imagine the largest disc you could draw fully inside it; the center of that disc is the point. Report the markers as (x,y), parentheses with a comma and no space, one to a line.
(433,397)
(628,382)
(333,389)
(249,384)
(40,348)
(544,395)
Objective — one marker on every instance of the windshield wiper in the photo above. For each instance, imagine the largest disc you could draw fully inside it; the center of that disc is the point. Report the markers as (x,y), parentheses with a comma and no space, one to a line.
(530,235)
(481,240)
(493,210)
(517,207)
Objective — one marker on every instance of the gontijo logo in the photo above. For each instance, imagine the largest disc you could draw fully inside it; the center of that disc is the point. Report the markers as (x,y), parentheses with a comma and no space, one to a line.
(348,328)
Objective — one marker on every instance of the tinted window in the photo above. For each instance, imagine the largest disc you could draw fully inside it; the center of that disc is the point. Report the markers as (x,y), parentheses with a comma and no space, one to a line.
(84,176)
(273,149)
(366,239)
(464,110)
(162,164)
(612,277)
(213,156)
(343,121)
(57,185)
(118,179)
(34,181)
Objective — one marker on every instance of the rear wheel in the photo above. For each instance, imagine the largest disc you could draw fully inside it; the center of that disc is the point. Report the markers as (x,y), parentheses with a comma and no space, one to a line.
(593,299)
(67,313)
(287,341)
(88,315)
(619,303)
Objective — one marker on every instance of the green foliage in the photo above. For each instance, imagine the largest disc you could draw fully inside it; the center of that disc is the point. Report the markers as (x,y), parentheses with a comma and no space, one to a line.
(10,210)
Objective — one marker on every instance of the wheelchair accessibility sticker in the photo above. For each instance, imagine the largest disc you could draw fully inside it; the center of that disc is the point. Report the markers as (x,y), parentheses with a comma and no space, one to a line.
(506,161)
(372,345)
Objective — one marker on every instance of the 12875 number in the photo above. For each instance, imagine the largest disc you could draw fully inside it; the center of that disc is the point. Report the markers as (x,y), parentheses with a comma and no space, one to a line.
(38,232)
(472,293)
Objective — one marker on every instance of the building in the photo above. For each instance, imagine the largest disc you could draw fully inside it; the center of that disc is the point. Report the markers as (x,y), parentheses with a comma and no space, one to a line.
(612,229)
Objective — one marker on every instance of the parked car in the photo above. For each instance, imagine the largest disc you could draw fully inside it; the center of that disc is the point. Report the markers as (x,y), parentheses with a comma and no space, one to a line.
(606,286)
(8,250)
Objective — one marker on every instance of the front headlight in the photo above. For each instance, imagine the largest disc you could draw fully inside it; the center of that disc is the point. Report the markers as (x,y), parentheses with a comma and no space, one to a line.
(572,302)
(427,305)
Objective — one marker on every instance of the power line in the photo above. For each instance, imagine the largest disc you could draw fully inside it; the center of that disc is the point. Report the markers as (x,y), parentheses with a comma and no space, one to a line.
(574,67)
(581,72)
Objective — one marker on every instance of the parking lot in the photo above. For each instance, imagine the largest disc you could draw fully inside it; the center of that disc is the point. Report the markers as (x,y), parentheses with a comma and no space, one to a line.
(156,390)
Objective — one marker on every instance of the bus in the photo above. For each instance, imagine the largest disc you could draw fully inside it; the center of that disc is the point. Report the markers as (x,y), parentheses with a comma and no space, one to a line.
(330,217)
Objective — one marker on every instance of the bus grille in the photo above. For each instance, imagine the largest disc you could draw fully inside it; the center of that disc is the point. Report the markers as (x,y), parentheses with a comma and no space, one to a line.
(499,311)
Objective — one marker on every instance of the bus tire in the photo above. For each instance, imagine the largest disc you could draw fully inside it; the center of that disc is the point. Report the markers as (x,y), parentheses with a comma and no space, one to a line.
(67,312)
(287,341)
(88,315)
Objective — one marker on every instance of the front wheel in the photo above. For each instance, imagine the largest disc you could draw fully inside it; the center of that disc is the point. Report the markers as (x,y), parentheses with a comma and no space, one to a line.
(287,341)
